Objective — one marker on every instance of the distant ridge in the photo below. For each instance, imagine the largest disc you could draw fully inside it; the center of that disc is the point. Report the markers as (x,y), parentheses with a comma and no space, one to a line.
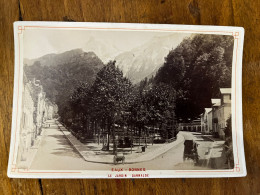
(61,73)
(54,59)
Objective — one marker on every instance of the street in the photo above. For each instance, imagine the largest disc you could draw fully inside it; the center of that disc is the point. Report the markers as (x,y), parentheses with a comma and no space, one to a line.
(56,153)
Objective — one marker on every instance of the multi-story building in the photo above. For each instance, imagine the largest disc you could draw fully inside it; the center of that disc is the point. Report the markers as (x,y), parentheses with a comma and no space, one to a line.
(36,109)
(206,121)
(27,126)
(221,111)
(39,103)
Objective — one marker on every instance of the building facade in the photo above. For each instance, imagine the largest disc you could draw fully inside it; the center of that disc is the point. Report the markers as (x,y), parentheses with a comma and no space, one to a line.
(39,103)
(27,126)
(194,125)
(221,111)
(36,109)
(206,121)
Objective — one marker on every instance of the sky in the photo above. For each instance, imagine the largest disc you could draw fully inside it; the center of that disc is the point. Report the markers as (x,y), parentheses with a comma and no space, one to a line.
(39,42)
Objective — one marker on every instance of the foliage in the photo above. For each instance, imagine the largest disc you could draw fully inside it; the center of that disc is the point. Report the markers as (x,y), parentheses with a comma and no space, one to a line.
(197,68)
(112,100)
(111,92)
(228,142)
(60,79)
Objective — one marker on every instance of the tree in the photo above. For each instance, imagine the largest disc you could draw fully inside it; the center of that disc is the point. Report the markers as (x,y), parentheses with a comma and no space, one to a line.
(196,69)
(80,103)
(153,106)
(111,91)
(228,143)
(160,103)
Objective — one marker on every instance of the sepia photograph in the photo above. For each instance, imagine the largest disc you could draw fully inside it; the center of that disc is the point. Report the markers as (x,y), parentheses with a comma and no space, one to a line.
(123,100)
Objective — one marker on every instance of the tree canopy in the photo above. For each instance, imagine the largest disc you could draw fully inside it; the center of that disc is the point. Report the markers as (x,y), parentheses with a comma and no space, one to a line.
(197,68)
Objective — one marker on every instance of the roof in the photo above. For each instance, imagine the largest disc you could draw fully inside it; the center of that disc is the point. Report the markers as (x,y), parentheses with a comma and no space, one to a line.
(215,102)
(208,110)
(225,90)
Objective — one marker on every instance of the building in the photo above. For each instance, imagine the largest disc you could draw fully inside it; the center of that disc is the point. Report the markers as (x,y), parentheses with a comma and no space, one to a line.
(193,125)
(221,111)
(206,121)
(49,110)
(27,127)
(38,96)
(36,109)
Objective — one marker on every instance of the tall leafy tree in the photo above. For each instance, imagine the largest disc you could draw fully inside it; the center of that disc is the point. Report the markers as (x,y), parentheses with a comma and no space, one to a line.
(160,103)
(80,103)
(111,91)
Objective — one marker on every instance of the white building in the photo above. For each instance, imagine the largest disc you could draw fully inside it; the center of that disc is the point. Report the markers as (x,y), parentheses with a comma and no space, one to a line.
(221,111)
(27,126)
(206,121)
(38,96)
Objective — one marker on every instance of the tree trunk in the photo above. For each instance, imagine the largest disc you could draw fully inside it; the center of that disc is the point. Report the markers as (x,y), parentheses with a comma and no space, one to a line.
(132,142)
(139,136)
(102,132)
(98,134)
(144,130)
(114,139)
(95,129)
(108,142)
(103,141)
(108,136)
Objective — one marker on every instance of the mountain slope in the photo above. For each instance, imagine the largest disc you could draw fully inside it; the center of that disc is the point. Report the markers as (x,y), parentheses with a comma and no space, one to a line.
(54,59)
(103,49)
(144,61)
(60,78)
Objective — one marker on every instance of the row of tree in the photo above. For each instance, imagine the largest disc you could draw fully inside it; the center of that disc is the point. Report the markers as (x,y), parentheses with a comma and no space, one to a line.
(191,75)
(112,101)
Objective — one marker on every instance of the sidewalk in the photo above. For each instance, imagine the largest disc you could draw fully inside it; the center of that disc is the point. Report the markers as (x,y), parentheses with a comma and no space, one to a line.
(92,152)
(211,138)
(216,157)
(31,153)
(211,150)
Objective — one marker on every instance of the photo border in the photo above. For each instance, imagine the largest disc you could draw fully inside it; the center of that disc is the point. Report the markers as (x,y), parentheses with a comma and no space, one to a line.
(237,130)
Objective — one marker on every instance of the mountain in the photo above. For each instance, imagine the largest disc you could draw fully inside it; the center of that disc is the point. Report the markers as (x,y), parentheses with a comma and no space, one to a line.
(105,50)
(59,77)
(54,59)
(144,61)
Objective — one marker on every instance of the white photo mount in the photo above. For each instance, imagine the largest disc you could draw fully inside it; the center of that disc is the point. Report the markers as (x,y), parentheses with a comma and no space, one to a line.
(128,170)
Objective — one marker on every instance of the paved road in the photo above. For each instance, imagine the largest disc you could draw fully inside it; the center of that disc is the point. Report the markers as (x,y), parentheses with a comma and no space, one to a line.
(55,152)
(211,154)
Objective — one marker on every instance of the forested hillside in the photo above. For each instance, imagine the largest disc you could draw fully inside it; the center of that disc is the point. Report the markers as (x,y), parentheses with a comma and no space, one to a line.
(196,69)
(59,80)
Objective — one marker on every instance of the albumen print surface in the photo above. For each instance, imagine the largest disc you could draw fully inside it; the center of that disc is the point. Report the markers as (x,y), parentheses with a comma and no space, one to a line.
(104,100)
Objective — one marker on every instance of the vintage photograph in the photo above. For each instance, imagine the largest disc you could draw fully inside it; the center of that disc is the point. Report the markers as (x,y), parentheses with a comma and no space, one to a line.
(142,100)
